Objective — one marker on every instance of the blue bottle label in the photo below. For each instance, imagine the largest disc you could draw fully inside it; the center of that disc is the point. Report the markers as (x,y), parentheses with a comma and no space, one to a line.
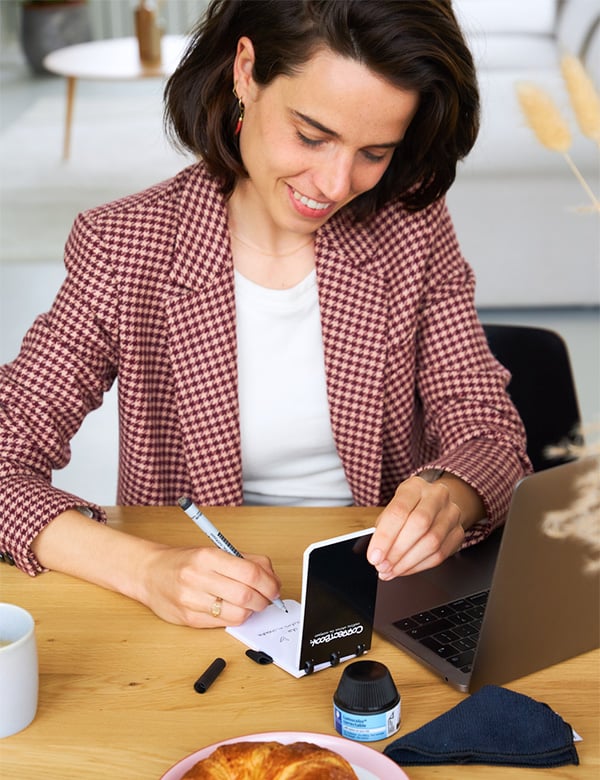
(368,727)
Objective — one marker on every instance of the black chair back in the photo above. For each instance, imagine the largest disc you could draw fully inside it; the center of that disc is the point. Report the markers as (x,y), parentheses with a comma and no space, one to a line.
(542,387)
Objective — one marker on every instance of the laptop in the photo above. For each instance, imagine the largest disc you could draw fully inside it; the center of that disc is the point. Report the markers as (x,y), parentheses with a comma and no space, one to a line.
(515,603)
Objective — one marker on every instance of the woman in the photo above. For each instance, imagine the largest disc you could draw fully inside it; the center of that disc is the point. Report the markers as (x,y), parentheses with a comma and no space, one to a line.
(290,319)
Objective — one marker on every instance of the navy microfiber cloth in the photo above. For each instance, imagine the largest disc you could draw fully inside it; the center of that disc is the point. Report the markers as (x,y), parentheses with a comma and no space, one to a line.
(492,726)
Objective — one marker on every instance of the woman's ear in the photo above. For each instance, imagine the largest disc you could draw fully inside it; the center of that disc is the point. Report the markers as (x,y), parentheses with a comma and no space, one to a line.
(243,66)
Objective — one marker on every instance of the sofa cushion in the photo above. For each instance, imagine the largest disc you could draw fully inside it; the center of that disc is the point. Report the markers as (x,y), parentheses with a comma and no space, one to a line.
(506,145)
(517,51)
(518,34)
(537,17)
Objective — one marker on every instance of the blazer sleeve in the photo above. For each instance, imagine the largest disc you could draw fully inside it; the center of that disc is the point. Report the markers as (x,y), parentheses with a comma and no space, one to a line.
(68,360)
(470,421)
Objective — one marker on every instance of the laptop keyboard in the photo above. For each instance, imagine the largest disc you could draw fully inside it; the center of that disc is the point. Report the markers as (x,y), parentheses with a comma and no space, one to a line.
(450,630)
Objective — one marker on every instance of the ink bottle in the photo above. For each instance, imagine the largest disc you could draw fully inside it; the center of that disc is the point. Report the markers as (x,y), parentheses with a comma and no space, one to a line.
(366,704)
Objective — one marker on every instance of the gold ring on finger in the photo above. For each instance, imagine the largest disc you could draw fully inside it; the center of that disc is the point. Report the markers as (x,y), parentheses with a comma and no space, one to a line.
(215,610)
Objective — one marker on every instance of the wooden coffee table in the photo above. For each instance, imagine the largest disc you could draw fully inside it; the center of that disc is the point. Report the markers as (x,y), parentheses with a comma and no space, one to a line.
(114,59)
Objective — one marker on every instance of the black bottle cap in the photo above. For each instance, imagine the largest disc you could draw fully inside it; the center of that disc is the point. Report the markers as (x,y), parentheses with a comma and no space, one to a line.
(366,686)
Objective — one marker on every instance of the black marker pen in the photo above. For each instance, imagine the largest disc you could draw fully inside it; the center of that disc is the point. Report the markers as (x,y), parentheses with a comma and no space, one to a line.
(206,679)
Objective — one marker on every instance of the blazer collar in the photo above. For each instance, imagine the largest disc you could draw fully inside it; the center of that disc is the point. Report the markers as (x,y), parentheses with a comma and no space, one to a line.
(202,251)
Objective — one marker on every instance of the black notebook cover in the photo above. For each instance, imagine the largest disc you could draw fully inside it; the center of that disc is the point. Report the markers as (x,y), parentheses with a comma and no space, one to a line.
(333,623)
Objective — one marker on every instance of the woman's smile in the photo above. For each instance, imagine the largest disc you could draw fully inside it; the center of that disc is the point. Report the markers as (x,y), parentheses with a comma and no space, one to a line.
(309,207)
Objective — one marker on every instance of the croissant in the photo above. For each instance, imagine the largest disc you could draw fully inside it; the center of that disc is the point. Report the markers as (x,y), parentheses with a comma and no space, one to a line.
(271,761)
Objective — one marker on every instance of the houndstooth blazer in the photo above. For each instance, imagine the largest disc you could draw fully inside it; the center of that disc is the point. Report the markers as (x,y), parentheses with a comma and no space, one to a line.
(149,296)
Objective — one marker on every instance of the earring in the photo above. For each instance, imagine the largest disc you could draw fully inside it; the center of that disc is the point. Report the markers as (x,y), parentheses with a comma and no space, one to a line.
(241,109)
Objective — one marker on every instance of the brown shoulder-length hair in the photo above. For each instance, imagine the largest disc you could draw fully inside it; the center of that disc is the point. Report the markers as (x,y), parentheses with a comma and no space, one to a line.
(414,44)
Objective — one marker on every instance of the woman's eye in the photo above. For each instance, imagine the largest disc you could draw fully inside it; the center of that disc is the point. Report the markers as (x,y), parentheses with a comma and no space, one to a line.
(372,157)
(308,141)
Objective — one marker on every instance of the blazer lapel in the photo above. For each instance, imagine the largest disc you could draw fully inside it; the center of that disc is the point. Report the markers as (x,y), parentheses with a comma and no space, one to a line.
(202,338)
(353,306)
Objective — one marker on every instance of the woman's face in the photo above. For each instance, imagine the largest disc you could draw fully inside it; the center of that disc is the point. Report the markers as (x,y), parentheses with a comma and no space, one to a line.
(314,141)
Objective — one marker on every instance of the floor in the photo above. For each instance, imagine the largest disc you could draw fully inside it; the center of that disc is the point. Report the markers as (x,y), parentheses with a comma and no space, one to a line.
(92,472)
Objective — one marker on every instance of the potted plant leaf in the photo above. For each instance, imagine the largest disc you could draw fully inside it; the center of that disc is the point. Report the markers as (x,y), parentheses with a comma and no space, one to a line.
(47,25)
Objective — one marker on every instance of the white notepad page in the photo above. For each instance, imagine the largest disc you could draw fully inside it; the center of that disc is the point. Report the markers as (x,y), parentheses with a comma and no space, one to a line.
(274,632)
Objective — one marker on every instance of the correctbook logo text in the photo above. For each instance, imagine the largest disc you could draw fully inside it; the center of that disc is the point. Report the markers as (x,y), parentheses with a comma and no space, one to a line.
(339,633)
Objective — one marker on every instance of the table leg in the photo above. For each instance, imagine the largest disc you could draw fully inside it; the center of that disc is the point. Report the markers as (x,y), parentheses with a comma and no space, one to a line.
(71,83)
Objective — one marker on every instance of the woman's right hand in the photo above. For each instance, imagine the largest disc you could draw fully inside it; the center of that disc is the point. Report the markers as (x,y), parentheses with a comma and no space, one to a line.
(182,585)
(179,584)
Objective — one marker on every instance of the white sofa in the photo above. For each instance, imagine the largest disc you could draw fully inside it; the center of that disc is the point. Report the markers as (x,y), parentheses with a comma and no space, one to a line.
(514,202)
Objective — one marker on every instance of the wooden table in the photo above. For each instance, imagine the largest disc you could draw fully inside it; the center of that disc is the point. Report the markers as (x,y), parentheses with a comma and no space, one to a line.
(114,59)
(116,695)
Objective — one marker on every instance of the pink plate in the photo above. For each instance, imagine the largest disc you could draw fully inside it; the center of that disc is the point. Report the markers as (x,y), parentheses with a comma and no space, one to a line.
(368,763)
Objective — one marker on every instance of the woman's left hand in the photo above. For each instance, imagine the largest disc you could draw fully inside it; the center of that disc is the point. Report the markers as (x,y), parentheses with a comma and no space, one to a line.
(422,525)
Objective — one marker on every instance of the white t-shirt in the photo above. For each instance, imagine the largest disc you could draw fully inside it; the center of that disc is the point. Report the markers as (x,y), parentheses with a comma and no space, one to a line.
(288,452)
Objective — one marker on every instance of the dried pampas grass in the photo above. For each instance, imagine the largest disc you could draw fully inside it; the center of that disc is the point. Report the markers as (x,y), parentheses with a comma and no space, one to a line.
(544,118)
(548,124)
